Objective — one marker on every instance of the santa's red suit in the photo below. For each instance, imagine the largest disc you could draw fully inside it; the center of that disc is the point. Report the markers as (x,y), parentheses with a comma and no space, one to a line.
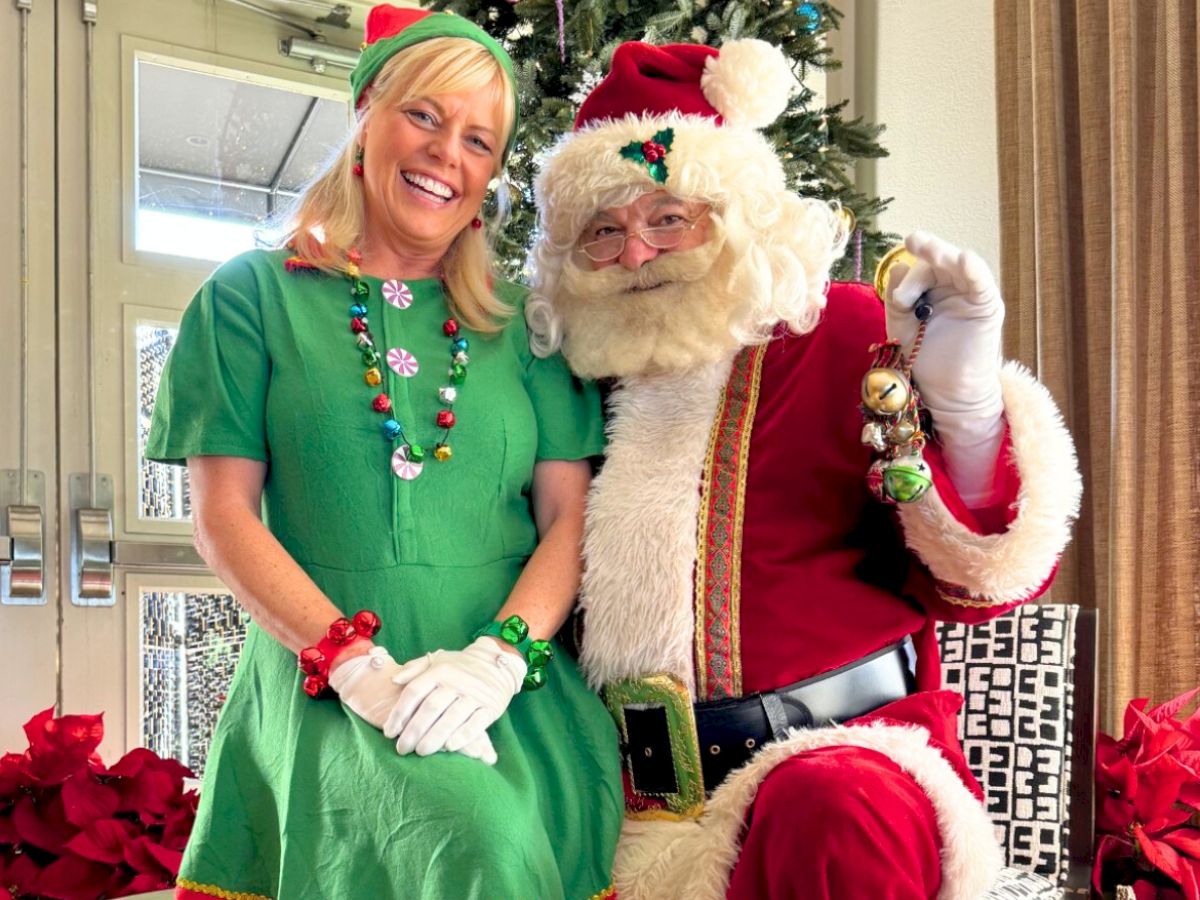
(810,573)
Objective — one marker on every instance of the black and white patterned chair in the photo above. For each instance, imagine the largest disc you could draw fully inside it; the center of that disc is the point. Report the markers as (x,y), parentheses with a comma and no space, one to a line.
(1028,730)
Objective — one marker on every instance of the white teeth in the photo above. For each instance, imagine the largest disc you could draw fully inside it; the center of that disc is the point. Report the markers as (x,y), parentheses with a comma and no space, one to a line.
(429,184)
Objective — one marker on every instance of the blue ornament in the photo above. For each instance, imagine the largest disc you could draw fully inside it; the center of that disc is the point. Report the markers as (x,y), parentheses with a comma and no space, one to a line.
(811,14)
(358,310)
(391,429)
(459,346)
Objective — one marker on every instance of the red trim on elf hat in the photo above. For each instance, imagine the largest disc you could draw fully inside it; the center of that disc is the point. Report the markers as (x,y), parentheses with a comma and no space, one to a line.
(384,21)
(651,81)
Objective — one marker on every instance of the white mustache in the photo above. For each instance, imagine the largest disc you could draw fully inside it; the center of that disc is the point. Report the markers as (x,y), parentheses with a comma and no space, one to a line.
(615,280)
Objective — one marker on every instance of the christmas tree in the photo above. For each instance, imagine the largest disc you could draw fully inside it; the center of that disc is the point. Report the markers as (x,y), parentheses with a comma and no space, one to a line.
(562,47)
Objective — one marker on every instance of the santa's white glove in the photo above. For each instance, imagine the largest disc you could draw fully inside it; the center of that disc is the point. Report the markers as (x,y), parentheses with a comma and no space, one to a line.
(450,698)
(958,368)
(364,684)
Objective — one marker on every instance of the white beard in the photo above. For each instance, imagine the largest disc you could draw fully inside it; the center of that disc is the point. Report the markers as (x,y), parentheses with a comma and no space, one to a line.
(672,315)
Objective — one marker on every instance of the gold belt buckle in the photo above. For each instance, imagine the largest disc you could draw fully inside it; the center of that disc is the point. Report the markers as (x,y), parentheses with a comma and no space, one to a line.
(665,691)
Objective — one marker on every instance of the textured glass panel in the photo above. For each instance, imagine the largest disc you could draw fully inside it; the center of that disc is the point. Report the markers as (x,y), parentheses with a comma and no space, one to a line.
(190,645)
(163,491)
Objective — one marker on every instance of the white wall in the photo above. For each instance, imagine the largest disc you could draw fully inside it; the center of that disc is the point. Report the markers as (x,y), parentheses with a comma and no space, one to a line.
(926,69)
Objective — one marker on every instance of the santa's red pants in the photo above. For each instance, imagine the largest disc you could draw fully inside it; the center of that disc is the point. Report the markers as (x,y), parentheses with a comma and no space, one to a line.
(839,823)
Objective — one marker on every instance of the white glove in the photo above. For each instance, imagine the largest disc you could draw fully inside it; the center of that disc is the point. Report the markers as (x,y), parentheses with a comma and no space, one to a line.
(958,368)
(364,684)
(450,698)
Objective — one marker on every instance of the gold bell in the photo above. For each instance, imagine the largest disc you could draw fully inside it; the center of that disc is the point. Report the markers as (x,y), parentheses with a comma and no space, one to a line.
(885,391)
(442,452)
(373,376)
(902,432)
(849,220)
(898,254)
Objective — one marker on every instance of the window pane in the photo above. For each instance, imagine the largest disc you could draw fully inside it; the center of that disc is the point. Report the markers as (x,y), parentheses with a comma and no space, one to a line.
(163,491)
(190,645)
(217,157)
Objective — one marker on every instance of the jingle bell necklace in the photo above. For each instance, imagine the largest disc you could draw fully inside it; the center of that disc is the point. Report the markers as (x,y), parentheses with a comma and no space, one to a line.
(409,457)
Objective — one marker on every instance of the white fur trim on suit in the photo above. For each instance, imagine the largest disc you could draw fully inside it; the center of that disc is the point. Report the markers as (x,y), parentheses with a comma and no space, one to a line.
(749,82)
(661,860)
(639,544)
(1004,568)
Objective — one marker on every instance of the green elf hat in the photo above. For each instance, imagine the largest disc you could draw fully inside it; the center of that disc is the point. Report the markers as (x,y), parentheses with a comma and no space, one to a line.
(391,28)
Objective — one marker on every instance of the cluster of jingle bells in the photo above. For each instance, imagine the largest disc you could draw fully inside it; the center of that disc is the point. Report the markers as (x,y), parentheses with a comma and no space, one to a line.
(891,409)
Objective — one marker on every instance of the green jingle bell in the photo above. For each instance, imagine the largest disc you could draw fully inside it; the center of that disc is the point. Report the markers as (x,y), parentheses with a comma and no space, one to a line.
(360,289)
(416,453)
(536,678)
(458,373)
(371,357)
(513,630)
(906,479)
(540,654)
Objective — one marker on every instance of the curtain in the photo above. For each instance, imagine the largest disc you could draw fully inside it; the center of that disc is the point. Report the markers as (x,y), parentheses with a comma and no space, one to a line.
(1097,104)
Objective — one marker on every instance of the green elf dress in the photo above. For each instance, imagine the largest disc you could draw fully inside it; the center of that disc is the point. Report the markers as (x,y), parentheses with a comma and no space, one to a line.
(301,798)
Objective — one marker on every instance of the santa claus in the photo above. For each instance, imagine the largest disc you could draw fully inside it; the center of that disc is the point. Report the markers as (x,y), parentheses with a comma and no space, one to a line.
(800,480)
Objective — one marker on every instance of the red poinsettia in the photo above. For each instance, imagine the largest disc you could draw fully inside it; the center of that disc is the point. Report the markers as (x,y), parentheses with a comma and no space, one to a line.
(72,829)
(1148,802)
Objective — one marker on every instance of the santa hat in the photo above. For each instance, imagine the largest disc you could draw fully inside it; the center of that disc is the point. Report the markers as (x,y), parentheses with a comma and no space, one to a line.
(390,29)
(681,118)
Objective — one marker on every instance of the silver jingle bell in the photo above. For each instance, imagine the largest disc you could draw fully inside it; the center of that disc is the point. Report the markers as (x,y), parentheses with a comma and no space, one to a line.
(872,436)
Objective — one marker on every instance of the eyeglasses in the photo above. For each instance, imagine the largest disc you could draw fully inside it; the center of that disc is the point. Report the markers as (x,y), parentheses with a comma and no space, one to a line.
(660,237)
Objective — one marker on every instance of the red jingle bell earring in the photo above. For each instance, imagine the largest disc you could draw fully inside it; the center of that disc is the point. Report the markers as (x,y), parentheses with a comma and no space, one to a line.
(358,161)
(477,223)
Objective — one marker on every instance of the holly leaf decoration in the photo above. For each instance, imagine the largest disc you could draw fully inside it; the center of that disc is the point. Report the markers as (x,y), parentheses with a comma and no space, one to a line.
(652,154)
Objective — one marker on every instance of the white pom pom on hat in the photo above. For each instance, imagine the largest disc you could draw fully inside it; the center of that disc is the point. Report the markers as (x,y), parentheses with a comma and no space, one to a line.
(749,83)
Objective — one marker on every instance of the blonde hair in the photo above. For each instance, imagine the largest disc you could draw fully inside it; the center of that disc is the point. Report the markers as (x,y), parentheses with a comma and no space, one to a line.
(328,218)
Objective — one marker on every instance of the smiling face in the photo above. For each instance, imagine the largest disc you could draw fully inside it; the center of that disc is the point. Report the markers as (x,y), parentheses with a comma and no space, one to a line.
(427,162)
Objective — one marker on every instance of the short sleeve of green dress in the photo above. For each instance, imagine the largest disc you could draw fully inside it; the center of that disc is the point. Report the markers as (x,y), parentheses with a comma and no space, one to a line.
(301,798)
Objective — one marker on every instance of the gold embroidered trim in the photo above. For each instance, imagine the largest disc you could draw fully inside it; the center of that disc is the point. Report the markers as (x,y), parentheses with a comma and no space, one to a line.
(212,890)
(605,894)
(718,576)
(960,596)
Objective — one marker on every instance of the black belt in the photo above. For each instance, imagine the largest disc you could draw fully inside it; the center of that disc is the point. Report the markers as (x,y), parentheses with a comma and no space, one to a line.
(729,732)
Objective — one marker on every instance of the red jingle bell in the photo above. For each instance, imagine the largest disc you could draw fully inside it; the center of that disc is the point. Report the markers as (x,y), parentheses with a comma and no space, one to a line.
(357,325)
(381,403)
(310,661)
(445,419)
(450,327)
(315,685)
(342,632)
(367,623)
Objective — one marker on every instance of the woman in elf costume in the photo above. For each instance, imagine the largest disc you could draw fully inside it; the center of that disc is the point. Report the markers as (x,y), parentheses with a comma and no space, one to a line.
(369,503)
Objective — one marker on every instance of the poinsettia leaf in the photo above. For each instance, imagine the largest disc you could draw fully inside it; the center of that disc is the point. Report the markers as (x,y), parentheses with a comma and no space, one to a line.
(103,841)
(1144,890)
(140,858)
(85,800)
(142,884)
(42,824)
(1159,783)
(1109,847)
(168,859)
(8,831)
(1172,818)
(1168,709)
(1185,840)
(1131,720)
(71,877)
(35,728)
(1161,856)
(20,871)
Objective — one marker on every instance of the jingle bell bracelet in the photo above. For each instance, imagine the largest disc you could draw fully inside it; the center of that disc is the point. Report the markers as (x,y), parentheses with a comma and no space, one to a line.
(538,654)
(315,662)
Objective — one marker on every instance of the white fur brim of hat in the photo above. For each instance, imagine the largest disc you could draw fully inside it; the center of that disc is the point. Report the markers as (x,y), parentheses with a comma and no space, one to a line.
(749,83)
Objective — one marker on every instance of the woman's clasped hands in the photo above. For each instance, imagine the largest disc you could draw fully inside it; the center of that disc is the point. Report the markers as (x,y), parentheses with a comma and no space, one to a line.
(444,700)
